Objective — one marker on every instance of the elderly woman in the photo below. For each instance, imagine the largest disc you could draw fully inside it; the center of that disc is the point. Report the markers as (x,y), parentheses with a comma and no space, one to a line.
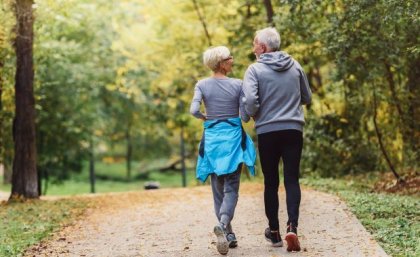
(224,146)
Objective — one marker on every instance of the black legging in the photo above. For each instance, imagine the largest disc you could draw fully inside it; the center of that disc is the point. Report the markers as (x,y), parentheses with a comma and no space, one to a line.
(285,144)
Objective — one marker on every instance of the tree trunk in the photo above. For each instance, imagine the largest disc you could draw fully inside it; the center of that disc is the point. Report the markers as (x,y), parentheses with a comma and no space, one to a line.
(318,76)
(381,145)
(391,84)
(24,178)
(315,81)
(184,171)
(203,22)
(92,178)
(408,119)
(270,12)
(248,10)
(413,86)
(2,148)
(129,153)
(1,95)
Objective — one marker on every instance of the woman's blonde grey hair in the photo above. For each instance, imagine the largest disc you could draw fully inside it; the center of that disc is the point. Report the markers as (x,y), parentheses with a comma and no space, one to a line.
(269,37)
(213,56)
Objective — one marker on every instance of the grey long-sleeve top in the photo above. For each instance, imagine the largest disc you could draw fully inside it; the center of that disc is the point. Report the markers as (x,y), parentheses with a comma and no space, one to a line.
(222,99)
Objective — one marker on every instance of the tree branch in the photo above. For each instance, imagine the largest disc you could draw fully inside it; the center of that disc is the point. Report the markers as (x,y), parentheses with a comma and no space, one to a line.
(270,12)
(379,136)
(203,22)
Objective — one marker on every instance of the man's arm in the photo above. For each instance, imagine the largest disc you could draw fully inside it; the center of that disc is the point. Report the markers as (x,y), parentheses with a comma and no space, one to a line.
(305,90)
(250,89)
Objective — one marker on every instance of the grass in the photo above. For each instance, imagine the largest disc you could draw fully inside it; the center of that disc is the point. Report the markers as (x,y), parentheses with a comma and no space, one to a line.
(25,224)
(114,180)
(4,187)
(393,220)
(79,184)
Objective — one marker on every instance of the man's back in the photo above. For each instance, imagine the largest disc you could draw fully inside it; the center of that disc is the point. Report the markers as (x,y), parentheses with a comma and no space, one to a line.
(275,88)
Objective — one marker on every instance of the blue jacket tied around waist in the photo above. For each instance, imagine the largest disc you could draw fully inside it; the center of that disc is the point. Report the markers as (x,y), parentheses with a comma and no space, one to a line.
(223,147)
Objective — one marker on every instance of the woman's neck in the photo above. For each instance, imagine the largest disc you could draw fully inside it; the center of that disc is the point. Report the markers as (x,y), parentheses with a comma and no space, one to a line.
(219,75)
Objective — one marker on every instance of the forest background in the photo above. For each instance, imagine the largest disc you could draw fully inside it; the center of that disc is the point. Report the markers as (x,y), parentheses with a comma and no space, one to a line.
(114,80)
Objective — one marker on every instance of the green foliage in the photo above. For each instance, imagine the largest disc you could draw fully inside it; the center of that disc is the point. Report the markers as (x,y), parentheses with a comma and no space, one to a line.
(72,44)
(332,148)
(393,220)
(351,49)
(24,224)
(372,43)
(7,60)
(121,74)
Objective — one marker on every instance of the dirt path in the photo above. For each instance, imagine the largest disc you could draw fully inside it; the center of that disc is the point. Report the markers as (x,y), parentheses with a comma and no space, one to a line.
(179,222)
(4,196)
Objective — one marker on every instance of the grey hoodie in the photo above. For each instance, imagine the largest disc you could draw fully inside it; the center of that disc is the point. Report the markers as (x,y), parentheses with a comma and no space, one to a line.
(275,88)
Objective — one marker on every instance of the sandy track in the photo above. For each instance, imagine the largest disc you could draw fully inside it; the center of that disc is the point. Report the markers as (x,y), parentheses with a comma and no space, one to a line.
(179,222)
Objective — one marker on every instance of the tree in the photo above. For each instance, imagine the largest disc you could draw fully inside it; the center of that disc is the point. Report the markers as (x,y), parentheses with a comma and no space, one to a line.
(25,177)
(74,63)
(124,79)
(270,12)
(373,45)
(172,60)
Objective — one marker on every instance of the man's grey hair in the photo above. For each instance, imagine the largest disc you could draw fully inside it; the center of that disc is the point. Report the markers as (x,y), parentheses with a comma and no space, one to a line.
(213,56)
(269,37)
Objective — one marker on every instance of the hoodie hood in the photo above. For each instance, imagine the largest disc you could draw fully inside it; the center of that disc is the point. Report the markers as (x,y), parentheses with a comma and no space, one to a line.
(278,61)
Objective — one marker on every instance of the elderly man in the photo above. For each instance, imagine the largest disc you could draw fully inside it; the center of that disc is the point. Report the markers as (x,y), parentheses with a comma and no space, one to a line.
(275,88)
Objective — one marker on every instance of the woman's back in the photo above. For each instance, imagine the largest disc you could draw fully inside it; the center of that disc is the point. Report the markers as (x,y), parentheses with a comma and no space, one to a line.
(221,97)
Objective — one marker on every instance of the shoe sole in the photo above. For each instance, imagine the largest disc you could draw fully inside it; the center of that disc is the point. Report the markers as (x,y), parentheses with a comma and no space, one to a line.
(222,244)
(233,244)
(279,244)
(292,242)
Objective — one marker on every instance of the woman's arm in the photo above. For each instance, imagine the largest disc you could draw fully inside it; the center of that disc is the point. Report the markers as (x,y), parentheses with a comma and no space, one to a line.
(250,89)
(242,112)
(195,104)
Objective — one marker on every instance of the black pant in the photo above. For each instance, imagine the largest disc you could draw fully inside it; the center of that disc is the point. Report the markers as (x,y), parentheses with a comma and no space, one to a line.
(287,145)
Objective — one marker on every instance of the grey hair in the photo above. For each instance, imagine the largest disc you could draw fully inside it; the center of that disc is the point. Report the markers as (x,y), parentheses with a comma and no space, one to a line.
(269,37)
(214,55)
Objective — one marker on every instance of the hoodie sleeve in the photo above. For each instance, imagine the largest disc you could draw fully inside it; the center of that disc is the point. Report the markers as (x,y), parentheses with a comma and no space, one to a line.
(196,102)
(305,90)
(250,89)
